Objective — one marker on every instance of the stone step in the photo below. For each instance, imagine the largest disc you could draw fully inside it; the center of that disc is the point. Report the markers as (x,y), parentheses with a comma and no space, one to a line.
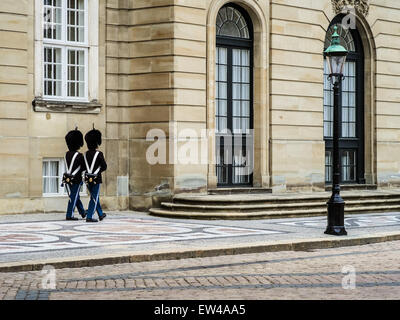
(283,199)
(272,206)
(240,191)
(354,187)
(239,207)
(267,214)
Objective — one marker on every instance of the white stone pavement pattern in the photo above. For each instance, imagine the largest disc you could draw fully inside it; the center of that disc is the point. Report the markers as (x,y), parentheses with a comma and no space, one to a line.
(48,236)
(357,272)
(315,274)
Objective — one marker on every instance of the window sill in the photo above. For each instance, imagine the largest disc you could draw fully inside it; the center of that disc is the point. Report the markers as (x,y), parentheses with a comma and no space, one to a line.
(41,105)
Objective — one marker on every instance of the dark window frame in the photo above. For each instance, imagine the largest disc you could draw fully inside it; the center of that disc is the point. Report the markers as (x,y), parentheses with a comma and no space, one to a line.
(357,143)
(236,43)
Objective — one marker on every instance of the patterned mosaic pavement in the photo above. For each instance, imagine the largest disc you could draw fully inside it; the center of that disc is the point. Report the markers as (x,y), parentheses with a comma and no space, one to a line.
(29,237)
(57,235)
(365,221)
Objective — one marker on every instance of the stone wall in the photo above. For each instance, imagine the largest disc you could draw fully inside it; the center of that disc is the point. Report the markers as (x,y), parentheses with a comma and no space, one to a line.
(297,40)
(140,94)
(27,136)
(155,80)
(16,71)
(384,19)
(296,103)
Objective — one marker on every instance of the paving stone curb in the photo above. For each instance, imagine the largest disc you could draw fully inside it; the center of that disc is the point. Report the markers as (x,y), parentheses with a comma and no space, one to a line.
(259,247)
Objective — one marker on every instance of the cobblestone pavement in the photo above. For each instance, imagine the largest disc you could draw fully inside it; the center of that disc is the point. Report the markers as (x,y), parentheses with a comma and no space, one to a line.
(358,272)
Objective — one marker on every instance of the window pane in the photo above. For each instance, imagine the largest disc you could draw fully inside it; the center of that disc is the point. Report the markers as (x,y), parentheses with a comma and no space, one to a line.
(236,124)
(352,84)
(236,74)
(222,55)
(45,168)
(76,73)
(81,73)
(52,71)
(51,179)
(352,114)
(222,73)
(222,90)
(54,168)
(222,108)
(345,130)
(352,130)
(245,57)
(246,74)
(348,162)
(236,108)
(246,108)
(352,99)
(245,91)
(236,57)
(328,166)
(245,124)
(236,91)
(76,20)
(52,19)
(81,90)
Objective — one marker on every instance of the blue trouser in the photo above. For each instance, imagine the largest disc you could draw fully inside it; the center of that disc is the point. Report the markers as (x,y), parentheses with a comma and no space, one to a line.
(74,200)
(94,203)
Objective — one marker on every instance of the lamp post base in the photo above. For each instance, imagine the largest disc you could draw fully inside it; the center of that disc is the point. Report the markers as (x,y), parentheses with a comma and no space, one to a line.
(336,231)
(336,215)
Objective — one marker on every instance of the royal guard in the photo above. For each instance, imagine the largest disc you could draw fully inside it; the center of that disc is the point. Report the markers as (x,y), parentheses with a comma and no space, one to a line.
(95,164)
(72,178)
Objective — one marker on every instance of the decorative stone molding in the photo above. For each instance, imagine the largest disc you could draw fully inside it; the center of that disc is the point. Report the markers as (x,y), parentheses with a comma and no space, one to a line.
(362,6)
(40,105)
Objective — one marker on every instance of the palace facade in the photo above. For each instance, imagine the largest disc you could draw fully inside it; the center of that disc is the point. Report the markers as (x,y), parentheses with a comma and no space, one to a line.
(166,81)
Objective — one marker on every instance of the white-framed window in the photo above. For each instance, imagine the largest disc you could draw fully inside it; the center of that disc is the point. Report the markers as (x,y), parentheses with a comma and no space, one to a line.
(65,49)
(66,52)
(52,172)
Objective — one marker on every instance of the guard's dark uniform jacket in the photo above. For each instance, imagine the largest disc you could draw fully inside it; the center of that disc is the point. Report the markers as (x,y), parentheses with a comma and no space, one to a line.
(79,161)
(100,162)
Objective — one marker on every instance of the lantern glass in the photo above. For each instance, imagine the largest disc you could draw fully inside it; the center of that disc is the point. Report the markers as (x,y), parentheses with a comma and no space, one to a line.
(336,64)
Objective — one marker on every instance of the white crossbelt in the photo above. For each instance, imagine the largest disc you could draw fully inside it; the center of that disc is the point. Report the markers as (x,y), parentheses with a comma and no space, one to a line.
(72,165)
(90,169)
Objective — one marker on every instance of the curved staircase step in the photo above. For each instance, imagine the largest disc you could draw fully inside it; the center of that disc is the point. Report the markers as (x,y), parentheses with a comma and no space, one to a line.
(266,214)
(241,207)
(234,215)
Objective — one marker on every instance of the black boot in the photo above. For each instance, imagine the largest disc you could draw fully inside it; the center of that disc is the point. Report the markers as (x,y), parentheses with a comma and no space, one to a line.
(103,216)
(91,220)
(71,219)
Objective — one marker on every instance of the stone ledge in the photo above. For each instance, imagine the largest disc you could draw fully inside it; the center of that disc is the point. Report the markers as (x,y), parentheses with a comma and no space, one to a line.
(41,105)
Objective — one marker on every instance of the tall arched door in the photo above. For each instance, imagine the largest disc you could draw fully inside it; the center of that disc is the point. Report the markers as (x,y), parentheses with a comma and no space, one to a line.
(351,141)
(234,97)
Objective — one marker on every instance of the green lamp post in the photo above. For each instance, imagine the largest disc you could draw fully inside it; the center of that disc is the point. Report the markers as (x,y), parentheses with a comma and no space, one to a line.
(336,57)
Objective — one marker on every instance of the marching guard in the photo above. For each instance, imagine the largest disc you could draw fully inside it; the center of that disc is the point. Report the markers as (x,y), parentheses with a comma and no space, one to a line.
(95,164)
(72,178)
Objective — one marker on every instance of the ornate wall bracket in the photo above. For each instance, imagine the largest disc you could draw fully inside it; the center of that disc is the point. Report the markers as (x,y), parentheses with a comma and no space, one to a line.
(362,6)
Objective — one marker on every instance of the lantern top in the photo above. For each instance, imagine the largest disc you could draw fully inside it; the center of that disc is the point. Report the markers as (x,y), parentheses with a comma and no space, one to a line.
(335,49)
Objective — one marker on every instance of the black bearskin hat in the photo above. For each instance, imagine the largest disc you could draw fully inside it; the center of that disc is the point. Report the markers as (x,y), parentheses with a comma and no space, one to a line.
(93,138)
(74,140)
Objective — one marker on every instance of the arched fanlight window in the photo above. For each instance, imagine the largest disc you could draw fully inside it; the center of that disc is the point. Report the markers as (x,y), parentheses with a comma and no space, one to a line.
(231,23)
(346,39)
